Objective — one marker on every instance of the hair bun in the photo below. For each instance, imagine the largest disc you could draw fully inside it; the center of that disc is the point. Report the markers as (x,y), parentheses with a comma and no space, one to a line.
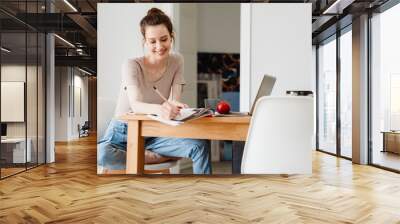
(155,11)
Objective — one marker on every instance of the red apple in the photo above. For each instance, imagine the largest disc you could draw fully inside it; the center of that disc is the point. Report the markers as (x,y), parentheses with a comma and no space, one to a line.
(223,107)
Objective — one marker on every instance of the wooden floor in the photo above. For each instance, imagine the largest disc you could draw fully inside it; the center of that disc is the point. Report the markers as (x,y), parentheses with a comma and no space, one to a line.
(10,171)
(386,159)
(69,191)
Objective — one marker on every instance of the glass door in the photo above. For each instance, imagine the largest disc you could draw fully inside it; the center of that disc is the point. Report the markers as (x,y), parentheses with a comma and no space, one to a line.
(327,96)
(22,87)
(346,93)
(13,103)
(385,89)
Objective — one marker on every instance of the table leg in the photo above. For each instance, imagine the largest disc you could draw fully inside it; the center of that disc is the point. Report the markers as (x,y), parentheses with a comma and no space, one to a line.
(237,153)
(135,149)
(209,154)
(384,142)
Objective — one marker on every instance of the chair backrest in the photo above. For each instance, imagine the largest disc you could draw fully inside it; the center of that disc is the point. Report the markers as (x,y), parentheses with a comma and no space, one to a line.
(280,136)
(86,125)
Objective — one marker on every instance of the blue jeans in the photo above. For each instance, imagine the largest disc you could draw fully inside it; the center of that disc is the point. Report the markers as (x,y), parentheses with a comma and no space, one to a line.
(111,150)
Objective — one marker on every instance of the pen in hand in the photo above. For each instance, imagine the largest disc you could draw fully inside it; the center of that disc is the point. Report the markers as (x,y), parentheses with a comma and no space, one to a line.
(163,97)
(158,92)
(167,101)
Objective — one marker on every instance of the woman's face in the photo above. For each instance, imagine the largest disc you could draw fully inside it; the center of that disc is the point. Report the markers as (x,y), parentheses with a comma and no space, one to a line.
(158,41)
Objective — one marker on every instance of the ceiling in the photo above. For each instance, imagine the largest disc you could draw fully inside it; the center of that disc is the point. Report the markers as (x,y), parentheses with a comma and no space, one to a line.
(77,23)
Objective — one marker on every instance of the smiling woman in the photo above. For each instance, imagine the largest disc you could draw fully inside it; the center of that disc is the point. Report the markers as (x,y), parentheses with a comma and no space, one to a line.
(159,68)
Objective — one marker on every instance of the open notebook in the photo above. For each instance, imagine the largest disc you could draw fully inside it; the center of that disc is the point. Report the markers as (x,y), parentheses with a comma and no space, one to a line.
(186,114)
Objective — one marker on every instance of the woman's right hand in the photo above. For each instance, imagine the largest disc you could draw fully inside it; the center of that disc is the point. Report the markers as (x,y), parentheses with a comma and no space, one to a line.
(169,110)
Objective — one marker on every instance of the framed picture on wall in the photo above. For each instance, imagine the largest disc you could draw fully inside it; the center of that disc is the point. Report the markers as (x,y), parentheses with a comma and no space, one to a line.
(12,101)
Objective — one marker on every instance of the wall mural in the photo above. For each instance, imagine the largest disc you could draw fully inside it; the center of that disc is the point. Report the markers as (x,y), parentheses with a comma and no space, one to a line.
(219,77)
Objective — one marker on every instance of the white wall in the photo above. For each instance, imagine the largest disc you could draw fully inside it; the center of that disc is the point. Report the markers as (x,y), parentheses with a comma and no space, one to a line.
(313,80)
(185,25)
(275,40)
(118,38)
(61,104)
(80,114)
(218,27)
(67,81)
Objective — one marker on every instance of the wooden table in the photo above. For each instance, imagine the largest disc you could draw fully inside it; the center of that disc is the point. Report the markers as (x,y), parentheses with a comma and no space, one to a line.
(213,128)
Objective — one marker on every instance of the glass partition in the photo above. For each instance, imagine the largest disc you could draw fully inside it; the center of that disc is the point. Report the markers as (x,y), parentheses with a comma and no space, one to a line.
(346,94)
(385,89)
(31,100)
(32,58)
(22,88)
(13,92)
(327,96)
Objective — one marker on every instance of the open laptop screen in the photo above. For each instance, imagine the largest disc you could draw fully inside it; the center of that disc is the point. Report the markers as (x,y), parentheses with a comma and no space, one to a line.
(265,89)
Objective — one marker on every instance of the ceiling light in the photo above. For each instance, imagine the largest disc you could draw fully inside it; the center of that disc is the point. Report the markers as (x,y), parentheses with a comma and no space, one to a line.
(84,71)
(5,50)
(65,41)
(70,5)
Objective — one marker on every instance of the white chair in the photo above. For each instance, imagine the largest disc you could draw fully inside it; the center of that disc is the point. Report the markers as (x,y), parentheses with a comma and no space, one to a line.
(280,136)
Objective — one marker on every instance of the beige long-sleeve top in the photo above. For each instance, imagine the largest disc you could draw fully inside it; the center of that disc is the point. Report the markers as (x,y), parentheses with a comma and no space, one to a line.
(136,90)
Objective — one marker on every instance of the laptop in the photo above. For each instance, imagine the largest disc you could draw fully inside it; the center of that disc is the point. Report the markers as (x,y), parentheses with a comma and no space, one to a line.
(265,89)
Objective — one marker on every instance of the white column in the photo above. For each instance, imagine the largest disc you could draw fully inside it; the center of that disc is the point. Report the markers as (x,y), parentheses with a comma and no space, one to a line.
(275,40)
(360,90)
(50,99)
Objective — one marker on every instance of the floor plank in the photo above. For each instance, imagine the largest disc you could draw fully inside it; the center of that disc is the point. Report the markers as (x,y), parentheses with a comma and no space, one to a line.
(70,191)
